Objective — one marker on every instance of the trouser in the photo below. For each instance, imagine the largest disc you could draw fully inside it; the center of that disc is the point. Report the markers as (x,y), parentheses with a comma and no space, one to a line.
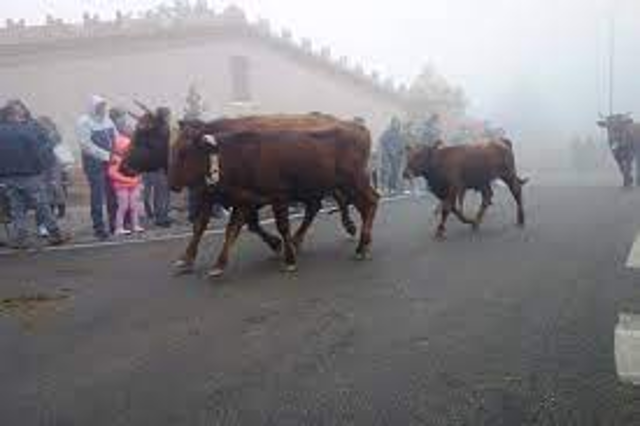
(128,202)
(101,194)
(392,176)
(157,197)
(23,192)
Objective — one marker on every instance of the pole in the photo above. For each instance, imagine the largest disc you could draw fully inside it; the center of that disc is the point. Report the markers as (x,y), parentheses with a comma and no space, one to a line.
(612,53)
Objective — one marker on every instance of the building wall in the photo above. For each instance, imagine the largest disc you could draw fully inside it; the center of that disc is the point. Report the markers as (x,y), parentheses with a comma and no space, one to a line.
(60,85)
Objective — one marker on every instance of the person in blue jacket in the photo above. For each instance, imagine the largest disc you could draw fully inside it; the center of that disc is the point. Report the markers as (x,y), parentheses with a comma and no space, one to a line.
(25,154)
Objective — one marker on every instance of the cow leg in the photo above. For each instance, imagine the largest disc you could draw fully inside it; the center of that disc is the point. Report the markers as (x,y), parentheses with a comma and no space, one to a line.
(310,212)
(281,214)
(232,231)
(515,187)
(487,195)
(461,197)
(343,205)
(367,205)
(445,210)
(186,261)
(253,223)
(453,198)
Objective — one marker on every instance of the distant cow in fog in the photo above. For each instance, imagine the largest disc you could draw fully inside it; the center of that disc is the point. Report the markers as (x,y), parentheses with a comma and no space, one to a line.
(451,170)
(624,141)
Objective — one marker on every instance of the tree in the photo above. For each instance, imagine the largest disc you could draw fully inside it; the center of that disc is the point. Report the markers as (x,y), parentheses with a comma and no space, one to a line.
(195,106)
(430,93)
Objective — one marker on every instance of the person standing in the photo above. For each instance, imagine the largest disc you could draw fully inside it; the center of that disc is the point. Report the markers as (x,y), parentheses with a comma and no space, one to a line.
(156,193)
(127,190)
(392,156)
(430,132)
(25,154)
(54,177)
(97,134)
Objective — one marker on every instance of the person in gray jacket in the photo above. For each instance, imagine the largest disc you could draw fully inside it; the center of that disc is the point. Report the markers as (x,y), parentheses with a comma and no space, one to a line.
(97,134)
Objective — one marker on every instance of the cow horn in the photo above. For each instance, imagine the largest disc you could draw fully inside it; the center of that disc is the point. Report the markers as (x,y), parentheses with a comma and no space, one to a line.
(210,140)
(142,106)
(134,115)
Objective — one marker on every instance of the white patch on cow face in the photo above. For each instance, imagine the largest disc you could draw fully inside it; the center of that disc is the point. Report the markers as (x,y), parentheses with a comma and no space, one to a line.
(214,170)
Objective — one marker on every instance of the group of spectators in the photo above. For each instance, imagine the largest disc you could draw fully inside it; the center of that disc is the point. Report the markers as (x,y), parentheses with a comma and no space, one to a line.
(33,173)
(393,143)
(105,135)
(35,168)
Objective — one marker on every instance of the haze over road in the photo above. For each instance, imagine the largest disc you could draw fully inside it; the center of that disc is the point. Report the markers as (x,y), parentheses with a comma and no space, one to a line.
(503,327)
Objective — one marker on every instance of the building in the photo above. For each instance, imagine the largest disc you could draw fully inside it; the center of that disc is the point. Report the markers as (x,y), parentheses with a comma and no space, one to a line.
(237,66)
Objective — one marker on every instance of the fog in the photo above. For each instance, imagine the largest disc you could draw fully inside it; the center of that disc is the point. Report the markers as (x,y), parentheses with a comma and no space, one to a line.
(536,67)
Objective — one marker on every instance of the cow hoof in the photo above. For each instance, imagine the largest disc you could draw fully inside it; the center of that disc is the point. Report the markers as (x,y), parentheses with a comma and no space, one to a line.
(215,273)
(351,229)
(439,237)
(360,257)
(289,268)
(183,267)
(351,238)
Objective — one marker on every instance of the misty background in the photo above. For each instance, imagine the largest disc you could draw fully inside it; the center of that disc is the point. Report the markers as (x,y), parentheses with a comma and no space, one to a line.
(538,68)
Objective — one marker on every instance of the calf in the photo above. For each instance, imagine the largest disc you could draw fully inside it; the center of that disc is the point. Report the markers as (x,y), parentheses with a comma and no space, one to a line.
(450,171)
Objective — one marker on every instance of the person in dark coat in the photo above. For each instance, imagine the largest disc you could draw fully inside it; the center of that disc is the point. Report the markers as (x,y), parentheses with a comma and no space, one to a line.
(392,152)
(156,193)
(25,154)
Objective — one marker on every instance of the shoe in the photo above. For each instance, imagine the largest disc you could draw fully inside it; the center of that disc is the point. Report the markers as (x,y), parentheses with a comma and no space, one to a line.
(121,232)
(43,232)
(138,229)
(19,244)
(164,224)
(59,238)
(101,235)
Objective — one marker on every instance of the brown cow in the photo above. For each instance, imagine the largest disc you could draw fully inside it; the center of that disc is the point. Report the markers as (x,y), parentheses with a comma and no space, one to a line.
(277,160)
(150,151)
(451,170)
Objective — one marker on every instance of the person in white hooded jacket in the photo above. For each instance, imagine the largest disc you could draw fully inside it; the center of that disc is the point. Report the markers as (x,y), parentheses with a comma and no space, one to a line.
(96,135)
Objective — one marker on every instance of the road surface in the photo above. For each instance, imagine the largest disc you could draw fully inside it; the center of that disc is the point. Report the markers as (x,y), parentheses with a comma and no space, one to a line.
(502,327)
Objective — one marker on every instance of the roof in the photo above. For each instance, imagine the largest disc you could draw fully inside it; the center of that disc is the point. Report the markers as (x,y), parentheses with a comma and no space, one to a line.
(56,40)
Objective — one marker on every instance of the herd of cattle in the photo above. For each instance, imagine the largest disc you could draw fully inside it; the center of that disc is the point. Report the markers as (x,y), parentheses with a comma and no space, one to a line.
(249,163)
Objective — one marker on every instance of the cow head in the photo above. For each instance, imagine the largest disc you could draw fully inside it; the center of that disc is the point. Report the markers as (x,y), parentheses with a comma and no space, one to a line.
(190,155)
(149,143)
(617,126)
(418,160)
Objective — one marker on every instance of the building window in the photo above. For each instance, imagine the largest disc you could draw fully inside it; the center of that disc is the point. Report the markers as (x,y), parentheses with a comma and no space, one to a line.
(240,84)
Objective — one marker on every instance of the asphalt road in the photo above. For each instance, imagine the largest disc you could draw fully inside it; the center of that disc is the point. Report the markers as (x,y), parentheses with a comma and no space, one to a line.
(503,327)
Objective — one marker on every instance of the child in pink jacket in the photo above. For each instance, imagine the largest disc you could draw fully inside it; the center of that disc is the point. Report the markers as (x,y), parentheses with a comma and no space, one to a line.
(127,189)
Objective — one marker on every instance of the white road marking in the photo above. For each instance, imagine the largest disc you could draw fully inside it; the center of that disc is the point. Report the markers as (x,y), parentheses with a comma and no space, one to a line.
(164,238)
(627,348)
(633,261)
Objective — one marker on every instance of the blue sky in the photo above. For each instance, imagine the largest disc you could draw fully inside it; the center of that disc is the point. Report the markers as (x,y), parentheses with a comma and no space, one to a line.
(532,64)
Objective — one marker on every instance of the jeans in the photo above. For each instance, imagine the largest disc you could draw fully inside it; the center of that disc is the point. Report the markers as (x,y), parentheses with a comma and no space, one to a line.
(157,197)
(23,192)
(102,194)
